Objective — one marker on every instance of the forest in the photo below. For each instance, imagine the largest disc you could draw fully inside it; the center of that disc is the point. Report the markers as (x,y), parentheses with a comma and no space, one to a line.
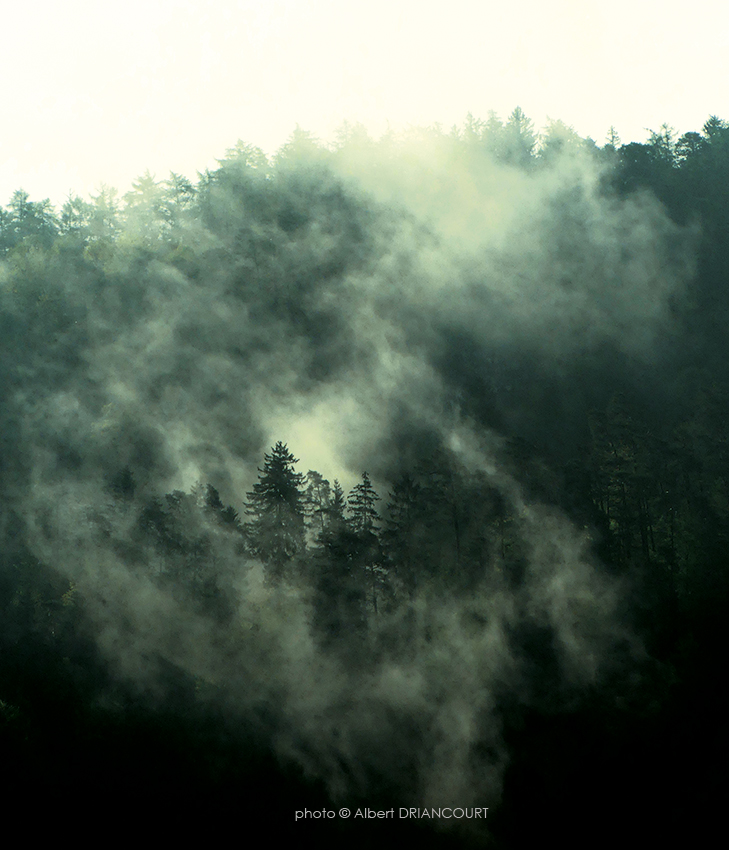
(506,585)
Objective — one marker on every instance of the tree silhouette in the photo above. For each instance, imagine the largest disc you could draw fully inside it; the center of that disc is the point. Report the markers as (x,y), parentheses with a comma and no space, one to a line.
(404,538)
(276,505)
(361,504)
(363,519)
(24,220)
(317,498)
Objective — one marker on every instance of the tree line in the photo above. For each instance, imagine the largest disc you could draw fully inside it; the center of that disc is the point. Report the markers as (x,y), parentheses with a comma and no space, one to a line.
(646,474)
(633,452)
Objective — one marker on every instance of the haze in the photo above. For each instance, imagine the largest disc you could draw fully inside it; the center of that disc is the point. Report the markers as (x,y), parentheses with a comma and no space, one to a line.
(98,92)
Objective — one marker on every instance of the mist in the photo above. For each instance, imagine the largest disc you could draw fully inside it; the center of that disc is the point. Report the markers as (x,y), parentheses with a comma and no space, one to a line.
(463,308)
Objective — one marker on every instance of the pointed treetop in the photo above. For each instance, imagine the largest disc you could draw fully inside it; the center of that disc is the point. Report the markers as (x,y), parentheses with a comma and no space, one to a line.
(361,504)
(278,483)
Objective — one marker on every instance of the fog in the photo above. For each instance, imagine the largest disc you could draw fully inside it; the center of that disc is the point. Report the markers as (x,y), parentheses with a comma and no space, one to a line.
(382,304)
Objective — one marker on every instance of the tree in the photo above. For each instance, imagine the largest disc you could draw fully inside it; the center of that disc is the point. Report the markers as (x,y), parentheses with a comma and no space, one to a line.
(276,505)
(663,145)
(557,140)
(76,216)
(363,520)
(146,210)
(520,139)
(403,538)
(361,504)
(244,155)
(613,139)
(179,198)
(492,136)
(210,500)
(317,498)
(340,582)
(337,506)
(104,224)
(24,219)
(301,148)
(689,146)
(716,129)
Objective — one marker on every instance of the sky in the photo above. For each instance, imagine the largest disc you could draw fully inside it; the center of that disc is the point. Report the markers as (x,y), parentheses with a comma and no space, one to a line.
(96,92)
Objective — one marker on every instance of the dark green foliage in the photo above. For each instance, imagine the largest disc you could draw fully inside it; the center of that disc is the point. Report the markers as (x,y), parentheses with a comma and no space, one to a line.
(364,544)
(404,537)
(340,590)
(318,500)
(363,515)
(32,223)
(337,506)
(276,508)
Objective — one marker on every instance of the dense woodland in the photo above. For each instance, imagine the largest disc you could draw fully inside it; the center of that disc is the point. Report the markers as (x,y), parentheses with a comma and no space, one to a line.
(148,633)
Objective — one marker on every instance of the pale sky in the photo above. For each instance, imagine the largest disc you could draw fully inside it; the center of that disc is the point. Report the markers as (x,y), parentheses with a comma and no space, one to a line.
(99,92)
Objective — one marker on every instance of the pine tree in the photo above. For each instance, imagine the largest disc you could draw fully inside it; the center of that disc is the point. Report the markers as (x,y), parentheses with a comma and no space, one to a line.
(276,505)
(340,579)
(318,496)
(337,507)
(363,521)
(361,504)
(404,538)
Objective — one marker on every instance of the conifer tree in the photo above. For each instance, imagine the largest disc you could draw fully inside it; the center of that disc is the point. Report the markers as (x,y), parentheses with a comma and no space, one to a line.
(318,496)
(337,507)
(340,579)
(361,504)
(363,519)
(403,538)
(276,506)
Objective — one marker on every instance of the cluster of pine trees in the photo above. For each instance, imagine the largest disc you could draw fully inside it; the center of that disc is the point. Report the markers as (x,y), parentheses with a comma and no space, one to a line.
(303,529)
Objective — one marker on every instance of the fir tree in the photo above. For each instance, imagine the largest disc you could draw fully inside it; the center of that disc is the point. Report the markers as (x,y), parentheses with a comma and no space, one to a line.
(318,495)
(276,506)
(337,507)
(363,521)
(404,537)
(361,504)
